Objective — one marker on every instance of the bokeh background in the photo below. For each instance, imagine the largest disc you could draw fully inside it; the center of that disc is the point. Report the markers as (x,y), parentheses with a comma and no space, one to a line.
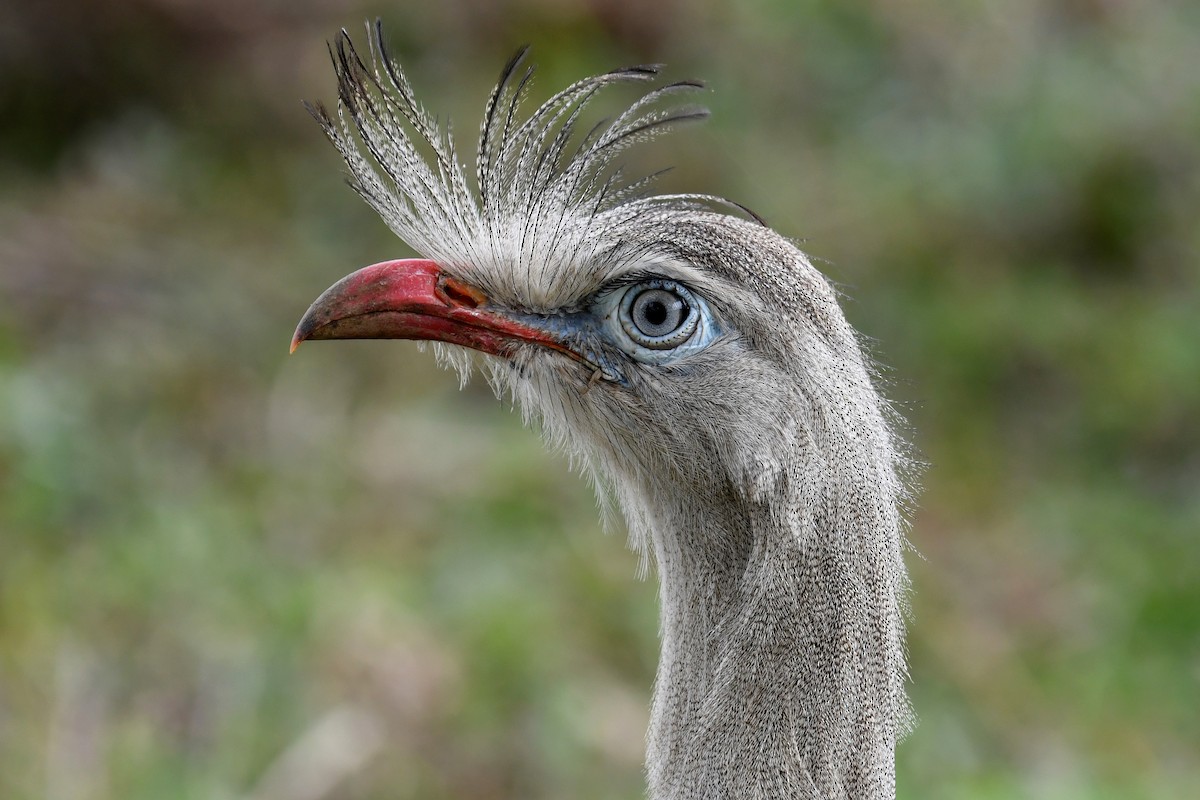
(226,573)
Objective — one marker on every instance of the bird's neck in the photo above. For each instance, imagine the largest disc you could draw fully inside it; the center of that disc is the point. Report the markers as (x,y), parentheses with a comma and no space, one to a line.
(775,678)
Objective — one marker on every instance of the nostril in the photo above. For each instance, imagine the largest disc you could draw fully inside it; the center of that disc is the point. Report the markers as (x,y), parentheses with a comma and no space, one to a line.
(459,293)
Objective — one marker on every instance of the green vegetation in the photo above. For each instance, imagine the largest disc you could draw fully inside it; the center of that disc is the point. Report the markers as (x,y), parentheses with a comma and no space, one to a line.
(229,573)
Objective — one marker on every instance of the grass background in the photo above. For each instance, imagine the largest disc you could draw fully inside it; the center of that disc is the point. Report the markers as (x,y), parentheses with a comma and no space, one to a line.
(225,573)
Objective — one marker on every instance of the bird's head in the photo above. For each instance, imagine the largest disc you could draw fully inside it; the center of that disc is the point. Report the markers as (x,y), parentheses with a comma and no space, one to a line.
(669,340)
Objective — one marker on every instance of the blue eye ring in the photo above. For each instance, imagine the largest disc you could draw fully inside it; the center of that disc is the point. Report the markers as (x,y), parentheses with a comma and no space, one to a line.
(659,315)
(682,325)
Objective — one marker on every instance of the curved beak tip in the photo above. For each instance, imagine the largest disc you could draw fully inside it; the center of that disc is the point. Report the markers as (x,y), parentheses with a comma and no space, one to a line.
(303,331)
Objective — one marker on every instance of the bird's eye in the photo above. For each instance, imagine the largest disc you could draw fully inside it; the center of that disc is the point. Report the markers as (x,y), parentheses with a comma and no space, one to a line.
(656,321)
(658,317)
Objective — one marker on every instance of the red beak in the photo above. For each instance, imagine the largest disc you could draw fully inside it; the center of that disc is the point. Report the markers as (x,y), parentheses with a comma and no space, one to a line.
(413,299)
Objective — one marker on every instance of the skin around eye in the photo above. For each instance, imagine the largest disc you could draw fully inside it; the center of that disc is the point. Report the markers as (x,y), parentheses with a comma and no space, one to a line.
(658,317)
(656,321)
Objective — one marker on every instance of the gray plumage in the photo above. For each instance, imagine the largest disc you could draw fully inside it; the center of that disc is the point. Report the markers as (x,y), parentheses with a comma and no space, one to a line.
(761,475)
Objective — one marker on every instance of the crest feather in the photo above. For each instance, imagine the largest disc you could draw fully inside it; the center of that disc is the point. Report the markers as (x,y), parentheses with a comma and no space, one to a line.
(540,190)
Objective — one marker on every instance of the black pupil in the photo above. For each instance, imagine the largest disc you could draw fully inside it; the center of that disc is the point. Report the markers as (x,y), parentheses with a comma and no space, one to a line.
(655,312)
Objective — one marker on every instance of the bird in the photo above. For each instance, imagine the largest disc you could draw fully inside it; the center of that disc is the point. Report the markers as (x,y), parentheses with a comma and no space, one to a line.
(699,369)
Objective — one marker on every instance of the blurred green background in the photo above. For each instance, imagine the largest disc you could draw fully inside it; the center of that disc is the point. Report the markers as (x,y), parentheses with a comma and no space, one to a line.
(226,573)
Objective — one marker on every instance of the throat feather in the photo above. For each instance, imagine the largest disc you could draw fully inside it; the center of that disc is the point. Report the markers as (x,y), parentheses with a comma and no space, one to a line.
(776,676)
